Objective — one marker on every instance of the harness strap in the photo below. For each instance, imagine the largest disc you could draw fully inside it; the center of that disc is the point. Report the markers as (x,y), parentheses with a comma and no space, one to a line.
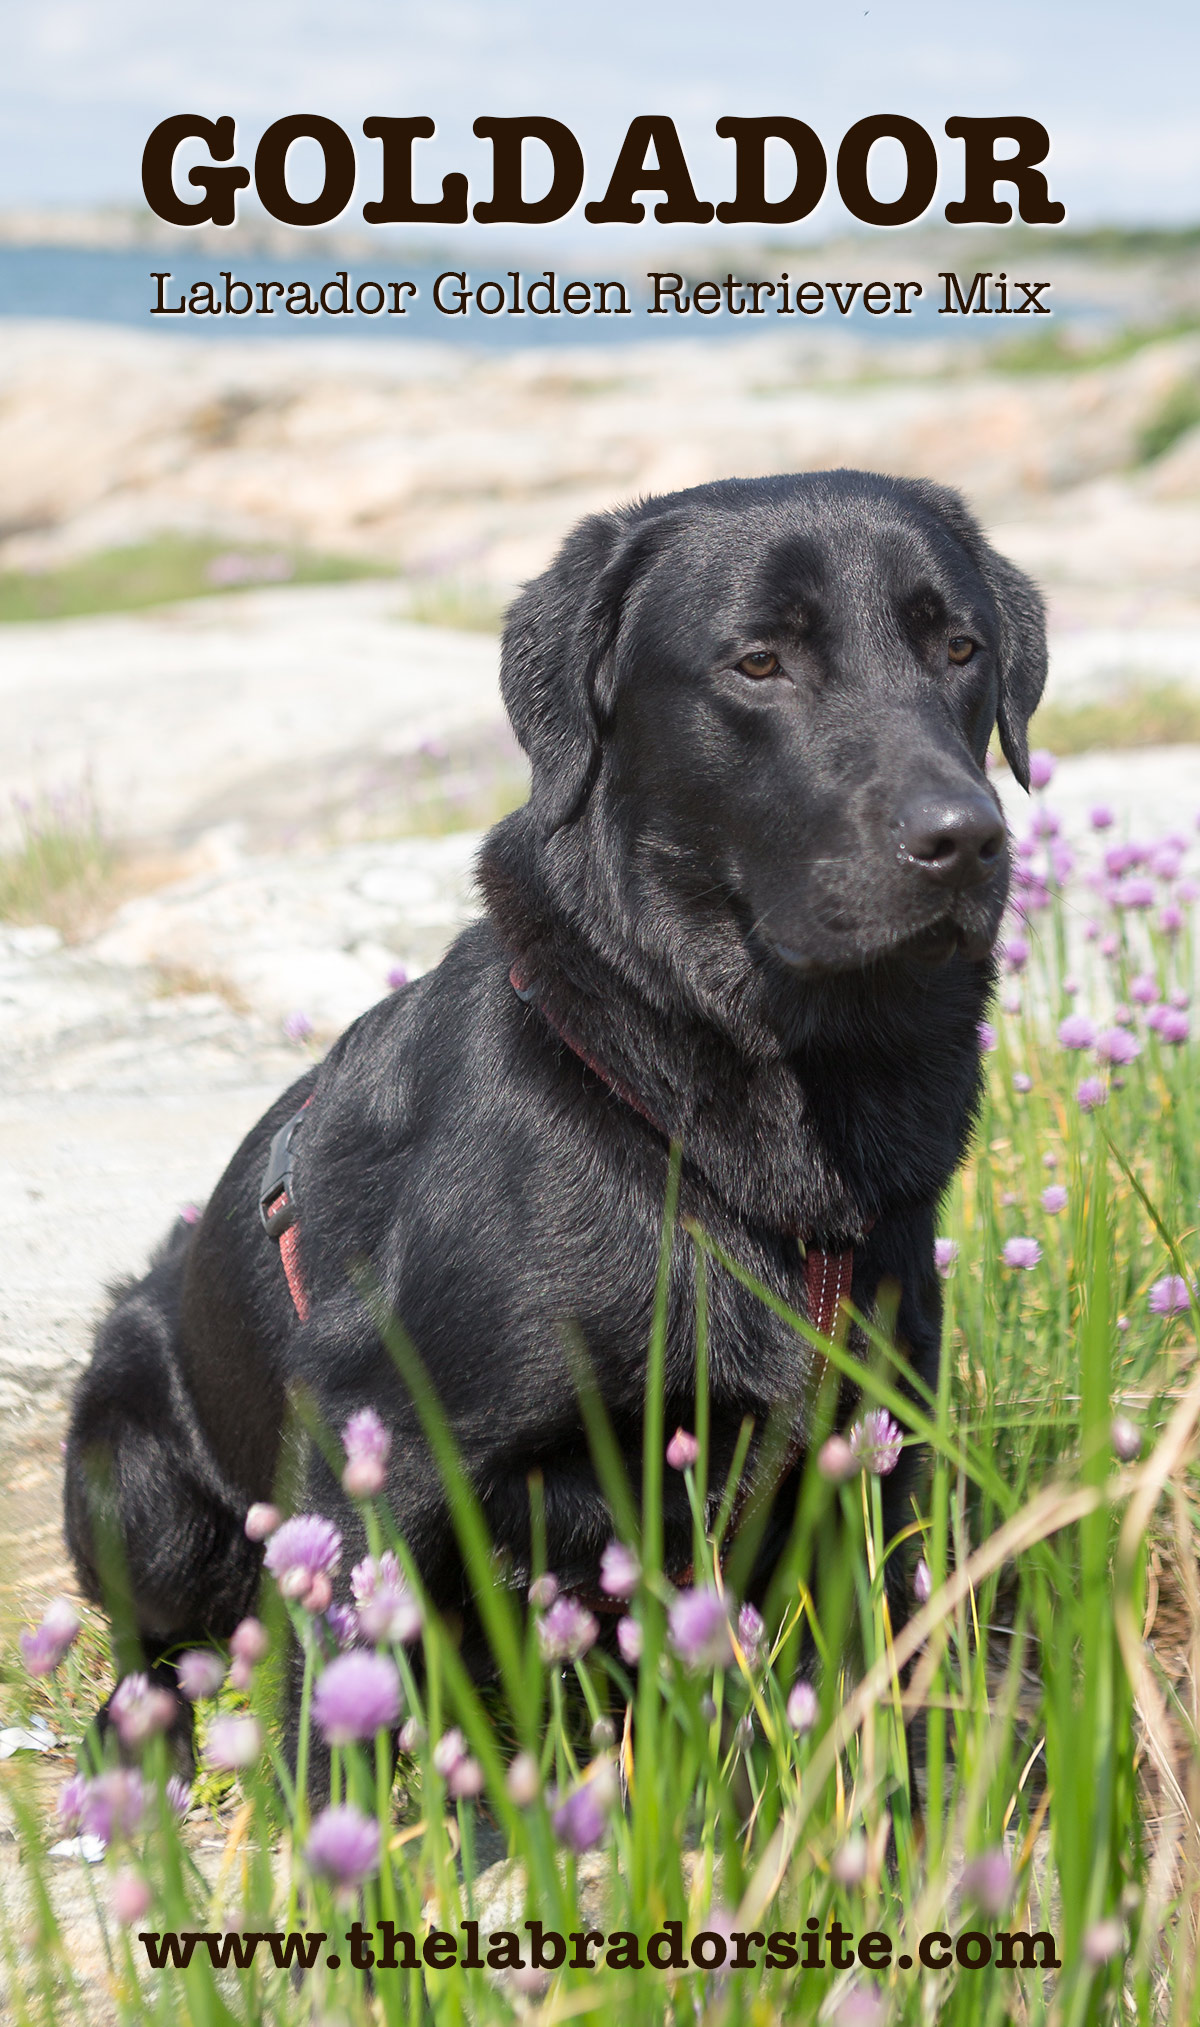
(277,1208)
(827,1276)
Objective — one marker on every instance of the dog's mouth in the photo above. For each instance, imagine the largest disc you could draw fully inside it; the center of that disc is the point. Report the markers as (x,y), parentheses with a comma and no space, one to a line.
(934,944)
(941,941)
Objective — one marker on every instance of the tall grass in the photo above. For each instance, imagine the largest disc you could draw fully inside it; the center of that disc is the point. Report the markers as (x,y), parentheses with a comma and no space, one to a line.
(1018,1758)
(58,867)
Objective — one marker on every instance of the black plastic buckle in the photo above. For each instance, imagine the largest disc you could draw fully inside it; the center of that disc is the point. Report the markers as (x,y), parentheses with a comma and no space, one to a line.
(276,1205)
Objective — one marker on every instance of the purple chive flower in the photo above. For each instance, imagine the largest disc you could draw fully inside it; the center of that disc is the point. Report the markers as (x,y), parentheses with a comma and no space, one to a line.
(71,1802)
(297,1027)
(922,1582)
(1102,1941)
(1170,919)
(233,1742)
(1023,1252)
(247,1646)
(1174,1026)
(849,1862)
(698,1628)
(985,1034)
(44,1648)
(945,1253)
(139,1708)
(988,1881)
(523,1780)
(1022,1082)
(1116,1045)
(179,1795)
(411,1736)
(385,1607)
(802,1707)
(1091,1093)
(862,2007)
(1126,1438)
(1016,953)
(1135,893)
(1076,1032)
(1054,1199)
(751,1632)
(397,976)
(342,1621)
(343,1846)
(1166,862)
(682,1450)
(567,1631)
(1110,945)
(1102,818)
(356,1695)
(190,1213)
(261,1520)
(449,1752)
(368,1446)
(111,1806)
(836,1461)
(465,1780)
(581,1821)
(543,1591)
(629,1641)
(1169,1297)
(876,1441)
(1041,768)
(620,1571)
(131,1897)
(1045,823)
(250,1642)
(1123,1015)
(200,1673)
(1186,892)
(1144,988)
(300,1552)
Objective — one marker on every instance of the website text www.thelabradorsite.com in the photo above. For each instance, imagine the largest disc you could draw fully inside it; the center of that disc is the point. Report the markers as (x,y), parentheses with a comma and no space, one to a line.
(387,1948)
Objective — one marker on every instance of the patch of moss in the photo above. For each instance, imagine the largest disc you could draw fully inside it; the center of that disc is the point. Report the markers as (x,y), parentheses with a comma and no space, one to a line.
(1177,413)
(1164,714)
(161,572)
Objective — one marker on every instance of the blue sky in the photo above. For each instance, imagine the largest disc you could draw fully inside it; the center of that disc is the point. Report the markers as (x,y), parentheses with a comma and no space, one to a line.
(84,81)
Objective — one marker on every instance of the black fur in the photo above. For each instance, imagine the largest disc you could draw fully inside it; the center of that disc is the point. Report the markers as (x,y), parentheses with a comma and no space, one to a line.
(713,888)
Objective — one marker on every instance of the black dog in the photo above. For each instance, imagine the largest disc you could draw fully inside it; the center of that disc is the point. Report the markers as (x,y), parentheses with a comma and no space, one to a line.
(750,904)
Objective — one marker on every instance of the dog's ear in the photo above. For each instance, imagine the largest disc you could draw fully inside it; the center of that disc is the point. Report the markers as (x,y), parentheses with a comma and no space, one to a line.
(1022,644)
(1023,655)
(557,663)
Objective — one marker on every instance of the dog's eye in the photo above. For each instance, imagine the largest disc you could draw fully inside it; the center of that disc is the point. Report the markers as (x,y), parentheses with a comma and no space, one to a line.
(960,647)
(763,663)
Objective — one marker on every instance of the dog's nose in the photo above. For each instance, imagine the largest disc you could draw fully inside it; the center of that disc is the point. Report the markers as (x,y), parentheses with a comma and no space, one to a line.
(956,840)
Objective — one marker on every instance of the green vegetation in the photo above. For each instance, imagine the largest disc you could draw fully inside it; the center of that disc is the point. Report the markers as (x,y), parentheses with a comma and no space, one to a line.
(455,602)
(1158,714)
(60,864)
(160,572)
(1045,1690)
(1068,348)
(1178,413)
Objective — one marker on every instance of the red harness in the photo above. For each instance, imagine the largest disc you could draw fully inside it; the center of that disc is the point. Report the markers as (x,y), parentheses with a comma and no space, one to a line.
(827,1276)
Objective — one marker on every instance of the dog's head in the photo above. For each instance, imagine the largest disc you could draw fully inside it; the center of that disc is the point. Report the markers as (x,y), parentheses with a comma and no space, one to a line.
(777,696)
